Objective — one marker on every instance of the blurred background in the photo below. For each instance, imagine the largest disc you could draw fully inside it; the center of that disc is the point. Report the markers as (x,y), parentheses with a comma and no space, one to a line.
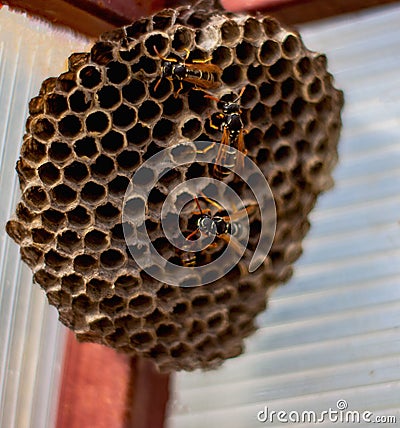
(331,333)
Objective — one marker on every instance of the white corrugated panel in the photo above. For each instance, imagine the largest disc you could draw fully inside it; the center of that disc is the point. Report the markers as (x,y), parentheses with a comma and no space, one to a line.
(31,338)
(333,331)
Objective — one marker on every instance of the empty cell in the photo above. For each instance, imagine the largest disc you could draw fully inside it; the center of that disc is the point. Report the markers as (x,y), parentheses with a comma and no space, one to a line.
(97,122)
(107,212)
(163,130)
(167,331)
(45,279)
(53,219)
(56,104)
(73,283)
(102,325)
(90,77)
(109,97)
(112,142)
(304,68)
(102,167)
(33,150)
(137,29)
(93,192)
(163,19)
(76,172)
(79,217)
(69,241)
(35,197)
(269,52)
(112,305)
(36,106)
(142,303)
(63,195)
(250,96)
(24,213)
(134,208)
(55,260)
(245,52)
(59,152)
(118,185)
(271,26)
(85,147)
(255,73)
(315,90)
(280,70)
(299,108)
(96,240)
(138,135)
(149,111)
(128,159)
(279,111)
(146,65)
(232,75)
(117,72)
(156,40)
(102,52)
(173,106)
(130,54)
(124,116)
(77,60)
(230,32)
(42,128)
(259,114)
(66,82)
(288,88)
(32,256)
(41,235)
(222,56)
(97,288)
(291,46)
(70,126)
(252,29)
(156,196)
(85,263)
(142,340)
(80,101)
(192,128)
(112,259)
(49,173)
(17,231)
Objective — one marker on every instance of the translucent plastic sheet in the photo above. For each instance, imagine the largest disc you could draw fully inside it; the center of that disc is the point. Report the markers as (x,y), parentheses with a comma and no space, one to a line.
(31,338)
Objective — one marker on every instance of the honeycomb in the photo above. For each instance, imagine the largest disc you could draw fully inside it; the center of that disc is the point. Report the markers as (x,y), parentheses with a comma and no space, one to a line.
(90,129)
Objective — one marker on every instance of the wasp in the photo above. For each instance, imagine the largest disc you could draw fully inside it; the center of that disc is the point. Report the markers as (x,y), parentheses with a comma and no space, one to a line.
(224,227)
(232,128)
(199,72)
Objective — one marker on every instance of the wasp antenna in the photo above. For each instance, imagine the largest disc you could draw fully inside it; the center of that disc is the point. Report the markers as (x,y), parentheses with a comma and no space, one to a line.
(198,205)
(158,53)
(157,84)
(240,95)
(211,97)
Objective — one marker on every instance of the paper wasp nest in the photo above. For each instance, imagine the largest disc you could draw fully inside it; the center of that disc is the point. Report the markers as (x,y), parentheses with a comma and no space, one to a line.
(90,128)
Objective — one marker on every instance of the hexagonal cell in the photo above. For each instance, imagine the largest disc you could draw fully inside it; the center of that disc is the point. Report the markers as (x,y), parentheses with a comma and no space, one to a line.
(73,284)
(69,241)
(142,304)
(80,101)
(36,198)
(90,76)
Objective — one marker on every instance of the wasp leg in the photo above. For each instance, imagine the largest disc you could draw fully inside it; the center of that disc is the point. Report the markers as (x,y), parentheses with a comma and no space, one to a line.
(212,202)
(180,89)
(202,61)
(207,149)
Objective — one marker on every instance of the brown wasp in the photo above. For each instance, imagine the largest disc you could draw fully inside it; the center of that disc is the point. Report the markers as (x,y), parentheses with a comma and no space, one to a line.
(232,128)
(225,227)
(199,72)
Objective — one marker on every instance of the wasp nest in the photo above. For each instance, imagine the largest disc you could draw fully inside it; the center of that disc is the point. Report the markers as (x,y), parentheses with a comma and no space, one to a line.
(90,129)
